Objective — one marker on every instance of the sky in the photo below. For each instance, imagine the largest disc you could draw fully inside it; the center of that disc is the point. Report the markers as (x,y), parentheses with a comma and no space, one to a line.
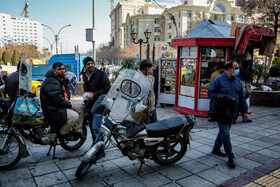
(58,13)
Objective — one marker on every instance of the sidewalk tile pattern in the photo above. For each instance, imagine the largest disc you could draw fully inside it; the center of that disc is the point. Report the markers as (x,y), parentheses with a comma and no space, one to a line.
(256,146)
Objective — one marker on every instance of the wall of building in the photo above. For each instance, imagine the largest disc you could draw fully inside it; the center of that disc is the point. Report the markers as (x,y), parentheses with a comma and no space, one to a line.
(186,17)
(20,30)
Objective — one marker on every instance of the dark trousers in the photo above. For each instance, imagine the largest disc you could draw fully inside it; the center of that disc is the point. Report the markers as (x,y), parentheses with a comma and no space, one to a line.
(152,117)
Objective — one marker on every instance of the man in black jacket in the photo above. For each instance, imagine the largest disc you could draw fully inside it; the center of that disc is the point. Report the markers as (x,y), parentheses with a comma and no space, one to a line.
(96,83)
(56,105)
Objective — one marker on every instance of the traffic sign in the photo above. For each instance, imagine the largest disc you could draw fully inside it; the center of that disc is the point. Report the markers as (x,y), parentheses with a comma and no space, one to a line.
(138,57)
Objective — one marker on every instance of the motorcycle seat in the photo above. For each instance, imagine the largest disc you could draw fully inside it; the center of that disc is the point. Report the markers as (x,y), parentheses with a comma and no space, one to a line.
(165,127)
(5,103)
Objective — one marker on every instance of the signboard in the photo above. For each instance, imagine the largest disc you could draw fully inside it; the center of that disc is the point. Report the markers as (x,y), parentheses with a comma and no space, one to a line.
(77,52)
(90,35)
(138,57)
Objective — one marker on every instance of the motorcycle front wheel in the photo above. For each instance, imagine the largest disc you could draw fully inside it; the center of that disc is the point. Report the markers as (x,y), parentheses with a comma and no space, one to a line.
(10,155)
(166,155)
(84,167)
(76,144)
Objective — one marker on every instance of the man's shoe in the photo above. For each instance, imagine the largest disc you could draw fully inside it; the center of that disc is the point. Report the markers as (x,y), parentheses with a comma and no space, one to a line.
(231,162)
(248,121)
(78,135)
(69,137)
(219,152)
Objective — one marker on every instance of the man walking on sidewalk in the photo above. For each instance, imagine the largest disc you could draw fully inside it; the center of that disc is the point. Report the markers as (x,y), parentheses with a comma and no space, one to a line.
(229,85)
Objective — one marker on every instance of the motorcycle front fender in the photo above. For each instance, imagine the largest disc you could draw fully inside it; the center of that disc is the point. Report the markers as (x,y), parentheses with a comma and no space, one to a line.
(93,150)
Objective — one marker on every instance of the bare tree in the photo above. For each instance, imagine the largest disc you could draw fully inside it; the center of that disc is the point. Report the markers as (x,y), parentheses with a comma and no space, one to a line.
(107,52)
(263,12)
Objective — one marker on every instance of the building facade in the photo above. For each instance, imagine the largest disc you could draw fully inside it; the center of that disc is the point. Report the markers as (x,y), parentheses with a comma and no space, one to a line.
(148,15)
(19,30)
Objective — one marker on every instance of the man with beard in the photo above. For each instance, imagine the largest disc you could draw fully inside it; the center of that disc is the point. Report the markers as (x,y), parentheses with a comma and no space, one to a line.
(96,83)
(55,100)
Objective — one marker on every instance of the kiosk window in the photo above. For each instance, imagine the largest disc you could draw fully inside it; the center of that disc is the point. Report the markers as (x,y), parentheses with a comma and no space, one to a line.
(168,76)
(209,66)
(187,78)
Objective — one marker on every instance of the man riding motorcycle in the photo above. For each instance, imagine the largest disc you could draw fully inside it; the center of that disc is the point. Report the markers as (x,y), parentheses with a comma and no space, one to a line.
(56,105)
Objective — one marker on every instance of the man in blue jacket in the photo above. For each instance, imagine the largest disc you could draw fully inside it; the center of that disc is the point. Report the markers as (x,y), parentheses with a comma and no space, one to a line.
(228,84)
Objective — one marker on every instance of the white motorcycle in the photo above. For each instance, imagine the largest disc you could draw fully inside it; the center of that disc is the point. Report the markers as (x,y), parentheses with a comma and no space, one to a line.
(165,142)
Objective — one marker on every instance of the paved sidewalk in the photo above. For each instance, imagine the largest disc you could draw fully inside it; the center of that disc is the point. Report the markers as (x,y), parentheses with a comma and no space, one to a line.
(256,146)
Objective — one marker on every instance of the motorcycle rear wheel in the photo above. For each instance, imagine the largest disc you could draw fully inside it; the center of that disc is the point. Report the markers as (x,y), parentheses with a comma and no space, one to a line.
(12,148)
(165,156)
(74,145)
(84,167)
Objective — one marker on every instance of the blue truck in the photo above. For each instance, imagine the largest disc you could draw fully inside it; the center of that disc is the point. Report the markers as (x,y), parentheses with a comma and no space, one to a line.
(70,63)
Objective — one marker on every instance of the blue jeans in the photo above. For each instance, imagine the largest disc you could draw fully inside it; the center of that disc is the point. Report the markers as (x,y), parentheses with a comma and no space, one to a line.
(96,124)
(73,91)
(223,138)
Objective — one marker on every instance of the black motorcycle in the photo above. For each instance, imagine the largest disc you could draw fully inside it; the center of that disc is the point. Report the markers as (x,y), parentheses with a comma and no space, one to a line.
(12,144)
(124,108)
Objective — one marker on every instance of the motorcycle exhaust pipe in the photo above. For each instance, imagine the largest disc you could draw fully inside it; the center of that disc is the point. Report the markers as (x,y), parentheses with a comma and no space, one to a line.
(92,151)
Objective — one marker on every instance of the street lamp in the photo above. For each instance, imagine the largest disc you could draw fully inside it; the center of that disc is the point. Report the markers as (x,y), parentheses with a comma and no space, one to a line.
(140,41)
(51,44)
(56,36)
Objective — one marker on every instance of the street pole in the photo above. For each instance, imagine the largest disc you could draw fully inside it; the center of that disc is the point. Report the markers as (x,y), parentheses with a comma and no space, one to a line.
(93,26)
(51,44)
(56,44)
(140,51)
(56,36)
(148,51)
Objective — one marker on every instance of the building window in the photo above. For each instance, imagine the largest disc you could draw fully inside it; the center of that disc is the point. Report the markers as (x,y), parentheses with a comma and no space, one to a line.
(169,36)
(3,20)
(158,39)
(159,30)
(219,8)
(186,2)
(232,18)
(142,11)
(189,15)
(169,27)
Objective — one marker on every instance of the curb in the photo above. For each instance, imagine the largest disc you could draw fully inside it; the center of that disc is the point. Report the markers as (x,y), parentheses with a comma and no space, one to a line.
(250,176)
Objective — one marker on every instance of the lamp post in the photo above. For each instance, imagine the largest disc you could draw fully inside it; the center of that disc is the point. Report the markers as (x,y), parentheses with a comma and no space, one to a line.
(140,41)
(56,36)
(51,44)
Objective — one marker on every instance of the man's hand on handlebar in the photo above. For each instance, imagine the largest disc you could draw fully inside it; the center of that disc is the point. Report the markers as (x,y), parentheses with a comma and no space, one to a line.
(91,96)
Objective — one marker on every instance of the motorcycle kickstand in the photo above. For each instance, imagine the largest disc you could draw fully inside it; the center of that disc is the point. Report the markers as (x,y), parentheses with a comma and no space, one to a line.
(52,146)
(142,162)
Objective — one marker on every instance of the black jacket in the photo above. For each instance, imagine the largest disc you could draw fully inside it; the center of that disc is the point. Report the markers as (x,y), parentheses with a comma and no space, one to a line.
(11,85)
(222,108)
(53,100)
(98,84)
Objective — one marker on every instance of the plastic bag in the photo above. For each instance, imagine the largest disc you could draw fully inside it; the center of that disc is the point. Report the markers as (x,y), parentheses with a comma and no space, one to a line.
(25,110)
(266,88)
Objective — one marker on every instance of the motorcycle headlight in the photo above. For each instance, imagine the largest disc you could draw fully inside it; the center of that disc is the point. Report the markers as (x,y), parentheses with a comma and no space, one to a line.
(105,130)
